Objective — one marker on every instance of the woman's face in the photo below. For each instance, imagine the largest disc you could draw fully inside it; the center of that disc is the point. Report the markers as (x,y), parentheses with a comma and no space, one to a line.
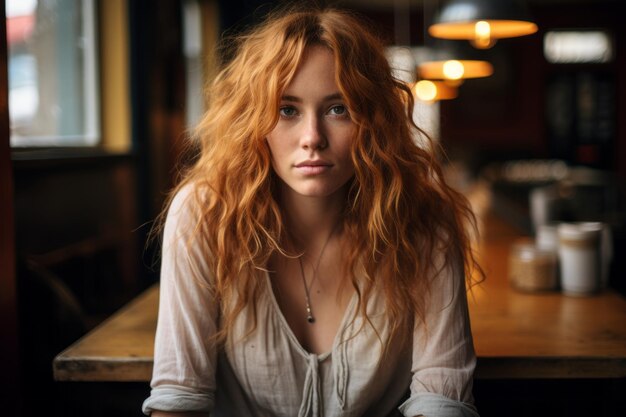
(310,144)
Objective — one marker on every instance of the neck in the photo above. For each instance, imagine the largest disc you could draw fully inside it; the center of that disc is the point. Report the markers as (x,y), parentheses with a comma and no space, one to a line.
(311,220)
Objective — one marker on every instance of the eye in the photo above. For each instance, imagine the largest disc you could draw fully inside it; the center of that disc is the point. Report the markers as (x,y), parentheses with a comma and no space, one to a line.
(288,111)
(338,110)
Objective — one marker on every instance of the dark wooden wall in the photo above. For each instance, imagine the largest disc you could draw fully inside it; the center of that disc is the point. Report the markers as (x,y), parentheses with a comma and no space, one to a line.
(9,388)
(77,254)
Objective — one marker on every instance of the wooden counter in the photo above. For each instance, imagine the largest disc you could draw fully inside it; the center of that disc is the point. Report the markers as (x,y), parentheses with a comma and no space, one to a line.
(516,335)
(120,349)
(541,335)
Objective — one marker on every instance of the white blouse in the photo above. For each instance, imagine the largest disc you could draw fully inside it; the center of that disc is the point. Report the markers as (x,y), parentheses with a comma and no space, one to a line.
(268,373)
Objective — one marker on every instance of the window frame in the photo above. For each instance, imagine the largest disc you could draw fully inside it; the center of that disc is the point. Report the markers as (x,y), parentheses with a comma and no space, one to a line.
(111,92)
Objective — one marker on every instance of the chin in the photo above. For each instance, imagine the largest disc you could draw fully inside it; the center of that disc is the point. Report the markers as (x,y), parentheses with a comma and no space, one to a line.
(321,192)
(316,189)
(316,193)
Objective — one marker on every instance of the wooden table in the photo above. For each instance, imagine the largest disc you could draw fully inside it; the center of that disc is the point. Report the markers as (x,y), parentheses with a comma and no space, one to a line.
(120,349)
(541,335)
(516,335)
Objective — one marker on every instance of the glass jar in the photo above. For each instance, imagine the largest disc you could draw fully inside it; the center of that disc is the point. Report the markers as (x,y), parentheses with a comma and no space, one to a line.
(532,268)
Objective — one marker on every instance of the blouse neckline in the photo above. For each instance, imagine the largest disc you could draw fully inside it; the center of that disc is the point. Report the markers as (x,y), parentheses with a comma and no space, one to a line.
(291,335)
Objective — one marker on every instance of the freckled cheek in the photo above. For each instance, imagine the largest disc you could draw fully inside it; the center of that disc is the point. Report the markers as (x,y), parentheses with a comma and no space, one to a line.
(279,153)
(275,140)
(344,145)
(282,137)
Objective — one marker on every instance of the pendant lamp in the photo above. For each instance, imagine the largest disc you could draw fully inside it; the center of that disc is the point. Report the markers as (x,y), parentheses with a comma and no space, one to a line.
(454,71)
(430,91)
(482,22)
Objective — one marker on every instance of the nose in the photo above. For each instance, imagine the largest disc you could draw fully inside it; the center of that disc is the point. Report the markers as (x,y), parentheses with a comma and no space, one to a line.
(313,136)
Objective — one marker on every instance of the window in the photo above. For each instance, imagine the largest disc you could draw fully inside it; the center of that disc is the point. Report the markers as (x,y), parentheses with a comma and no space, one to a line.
(53,77)
(576,47)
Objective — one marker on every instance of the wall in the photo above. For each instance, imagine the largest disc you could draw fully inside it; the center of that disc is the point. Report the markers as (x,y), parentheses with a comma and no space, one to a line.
(10,393)
(78,254)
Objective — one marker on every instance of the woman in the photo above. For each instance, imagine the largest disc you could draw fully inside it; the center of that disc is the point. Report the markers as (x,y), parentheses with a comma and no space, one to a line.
(313,257)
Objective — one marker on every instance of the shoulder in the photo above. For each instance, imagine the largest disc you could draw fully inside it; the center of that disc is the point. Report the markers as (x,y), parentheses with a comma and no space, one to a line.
(188,200)
(184,212)
(183,200)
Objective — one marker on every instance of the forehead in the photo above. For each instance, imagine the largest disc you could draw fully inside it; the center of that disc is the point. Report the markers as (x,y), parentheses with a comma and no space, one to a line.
(316,70)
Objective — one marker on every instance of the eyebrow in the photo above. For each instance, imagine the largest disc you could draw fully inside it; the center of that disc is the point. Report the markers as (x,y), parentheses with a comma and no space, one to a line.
(334,96)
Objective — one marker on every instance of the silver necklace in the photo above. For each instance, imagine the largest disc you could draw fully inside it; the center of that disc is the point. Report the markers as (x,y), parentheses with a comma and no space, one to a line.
(307,296)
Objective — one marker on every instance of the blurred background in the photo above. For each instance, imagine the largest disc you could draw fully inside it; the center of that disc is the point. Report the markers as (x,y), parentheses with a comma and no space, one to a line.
(98,96)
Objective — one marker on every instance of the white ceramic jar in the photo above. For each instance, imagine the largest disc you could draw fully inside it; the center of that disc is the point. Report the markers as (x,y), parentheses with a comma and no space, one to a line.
(579,258)
(606,249)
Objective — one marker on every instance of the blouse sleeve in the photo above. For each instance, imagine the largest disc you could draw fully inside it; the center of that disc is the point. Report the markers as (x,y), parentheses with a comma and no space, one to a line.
(443,352)
(183,377)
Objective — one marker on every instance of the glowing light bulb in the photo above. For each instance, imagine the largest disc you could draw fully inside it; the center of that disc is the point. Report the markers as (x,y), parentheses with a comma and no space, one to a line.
(426,90)
(453,69)
(482,35)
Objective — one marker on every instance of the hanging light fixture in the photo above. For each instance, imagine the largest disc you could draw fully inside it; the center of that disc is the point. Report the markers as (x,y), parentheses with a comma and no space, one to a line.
(430,91)
(454,71)
(482,22)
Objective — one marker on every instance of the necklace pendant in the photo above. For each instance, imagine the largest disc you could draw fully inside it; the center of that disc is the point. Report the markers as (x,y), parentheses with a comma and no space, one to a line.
(309,314)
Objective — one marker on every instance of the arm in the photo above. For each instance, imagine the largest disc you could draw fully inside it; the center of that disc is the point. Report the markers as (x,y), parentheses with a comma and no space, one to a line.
(443,351)
(183,378)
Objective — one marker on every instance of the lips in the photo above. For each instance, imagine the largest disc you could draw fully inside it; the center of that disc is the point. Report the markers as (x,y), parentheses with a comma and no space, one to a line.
(315,163)
(313,167)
